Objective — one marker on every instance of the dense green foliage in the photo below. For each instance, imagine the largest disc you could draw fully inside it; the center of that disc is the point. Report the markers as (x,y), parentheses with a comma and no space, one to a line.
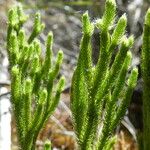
(146,79)
(33,94)
(99,94)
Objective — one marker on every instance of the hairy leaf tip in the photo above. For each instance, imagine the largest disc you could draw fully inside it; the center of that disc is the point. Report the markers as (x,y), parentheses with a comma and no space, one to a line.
(113,2)
(28,85)
(128,59)
(21,33)
(123,18)
(37,46)
(50,35)
(109,14)
(120,29)
(49,39)
(129,55)
(111,5)
(12,17)
(88,27)
(37,23)
(37,18)
(15,70)
(13,35)
(28,81)
(131,40)
(61,84)
(128,42)
(20,10)
(13,41)
(36,61)
(43,96)
(21,37)
(147,18)
(123,21)
(21,15)
(60,55)
(133,78)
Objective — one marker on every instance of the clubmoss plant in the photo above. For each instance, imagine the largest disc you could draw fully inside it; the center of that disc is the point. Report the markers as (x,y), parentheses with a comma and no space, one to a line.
(146,79)
(33,94)
(100,94)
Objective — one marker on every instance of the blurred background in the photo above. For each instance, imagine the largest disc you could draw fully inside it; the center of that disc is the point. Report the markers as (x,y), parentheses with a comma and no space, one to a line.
(63,17)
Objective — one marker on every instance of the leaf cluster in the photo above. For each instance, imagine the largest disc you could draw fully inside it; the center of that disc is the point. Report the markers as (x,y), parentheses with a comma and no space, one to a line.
(34,96)
(100,94)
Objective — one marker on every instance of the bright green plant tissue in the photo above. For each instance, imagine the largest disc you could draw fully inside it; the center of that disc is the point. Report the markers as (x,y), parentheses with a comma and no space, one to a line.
(146,80)
(100,94)
(33,94)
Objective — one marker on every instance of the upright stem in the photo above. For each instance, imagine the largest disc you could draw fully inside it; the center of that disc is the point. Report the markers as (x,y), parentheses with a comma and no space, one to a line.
(146,79)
